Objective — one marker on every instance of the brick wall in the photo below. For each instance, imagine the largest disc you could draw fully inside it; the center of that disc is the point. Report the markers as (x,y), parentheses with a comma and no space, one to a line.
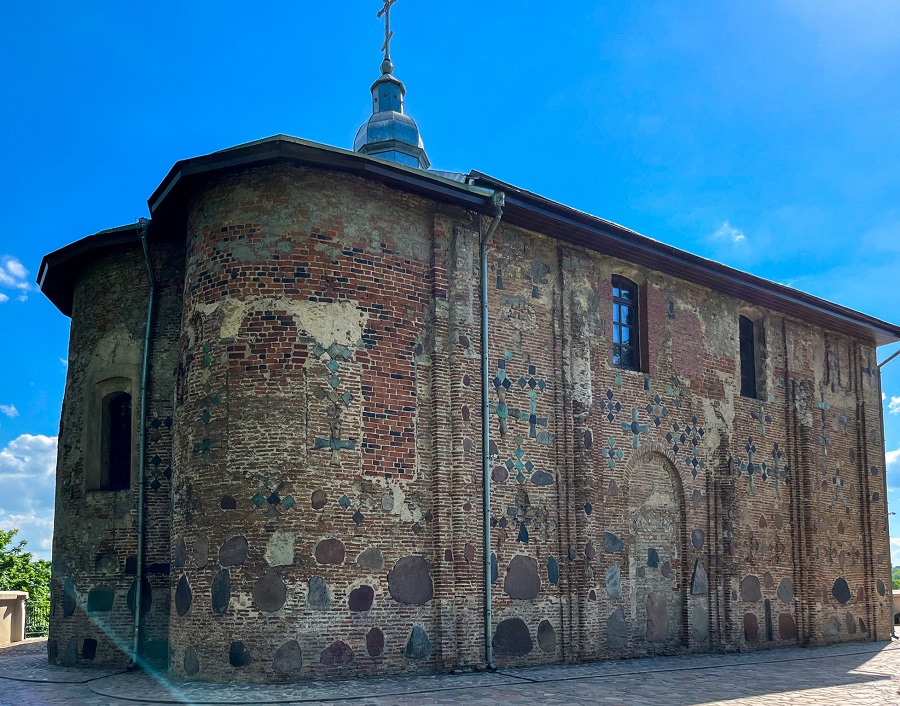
(326,513)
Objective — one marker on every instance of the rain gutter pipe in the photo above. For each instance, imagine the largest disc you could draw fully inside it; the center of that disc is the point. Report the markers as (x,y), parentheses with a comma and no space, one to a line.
(887,518)
(143,225)
(497,201)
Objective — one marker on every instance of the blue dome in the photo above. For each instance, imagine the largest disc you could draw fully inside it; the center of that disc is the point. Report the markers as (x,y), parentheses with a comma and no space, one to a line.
(389,133)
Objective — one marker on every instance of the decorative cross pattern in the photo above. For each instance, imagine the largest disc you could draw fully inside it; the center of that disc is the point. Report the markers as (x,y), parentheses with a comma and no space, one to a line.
(748,466)
(534,385)
(657,410)
(843,419)
(824,442)
(517,464)
(335,443)
(870,371)
(334,355)
(635,428)
(761,417)
(837,486)
(611,407)
(824,406)
(778,472)
(694,461)
(677,391)
(676,438)
(611,453)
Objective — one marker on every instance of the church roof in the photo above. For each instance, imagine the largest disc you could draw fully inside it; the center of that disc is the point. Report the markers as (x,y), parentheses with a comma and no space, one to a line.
(169,203)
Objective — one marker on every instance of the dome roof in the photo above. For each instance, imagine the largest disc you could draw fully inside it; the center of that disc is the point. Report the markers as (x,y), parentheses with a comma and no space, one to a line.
(389,133)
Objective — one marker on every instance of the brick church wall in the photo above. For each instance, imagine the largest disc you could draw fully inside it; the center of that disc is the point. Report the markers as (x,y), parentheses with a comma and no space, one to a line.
(326,512)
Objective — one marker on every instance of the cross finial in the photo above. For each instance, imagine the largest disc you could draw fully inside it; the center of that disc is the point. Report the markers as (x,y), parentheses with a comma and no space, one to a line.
(386,65)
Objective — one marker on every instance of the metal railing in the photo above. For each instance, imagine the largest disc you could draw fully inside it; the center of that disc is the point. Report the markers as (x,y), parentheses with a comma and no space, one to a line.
(37,619)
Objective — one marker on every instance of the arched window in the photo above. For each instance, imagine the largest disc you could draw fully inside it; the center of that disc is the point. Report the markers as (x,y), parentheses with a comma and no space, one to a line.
(626,343)
(116,441)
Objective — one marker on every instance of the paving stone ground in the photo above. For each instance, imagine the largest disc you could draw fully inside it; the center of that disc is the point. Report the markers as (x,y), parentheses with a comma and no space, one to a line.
(861,673)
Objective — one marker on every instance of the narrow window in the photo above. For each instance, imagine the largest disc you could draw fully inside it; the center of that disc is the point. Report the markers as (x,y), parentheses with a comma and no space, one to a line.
(626,346)
(117,441)
(748,357)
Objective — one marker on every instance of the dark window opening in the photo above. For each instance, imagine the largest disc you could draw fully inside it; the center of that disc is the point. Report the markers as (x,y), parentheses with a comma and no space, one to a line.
(748,357)
(117,440)
(626,346)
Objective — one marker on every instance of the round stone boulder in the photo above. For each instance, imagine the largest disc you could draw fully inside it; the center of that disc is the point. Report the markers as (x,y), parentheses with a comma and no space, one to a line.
(410,581)
(234,551)
(522,580)
(270,593)
(512,638)
(330,551)
(336,654)
(288,660)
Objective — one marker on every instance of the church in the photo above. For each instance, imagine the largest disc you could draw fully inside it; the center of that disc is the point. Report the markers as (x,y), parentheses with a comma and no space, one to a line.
(332,412)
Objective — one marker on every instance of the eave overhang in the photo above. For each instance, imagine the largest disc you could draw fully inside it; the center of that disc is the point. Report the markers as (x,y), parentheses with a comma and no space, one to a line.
(169,205)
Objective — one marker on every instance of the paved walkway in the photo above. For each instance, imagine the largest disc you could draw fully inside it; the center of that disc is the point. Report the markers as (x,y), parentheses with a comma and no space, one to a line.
(861,673)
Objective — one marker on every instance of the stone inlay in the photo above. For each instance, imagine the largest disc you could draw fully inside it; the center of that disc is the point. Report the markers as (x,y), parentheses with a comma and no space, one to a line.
(785,591)
(288,659)
(191,661)
(652,558)
(183,596)
(751,627)
(234,551)
(611,543)
(201,551)
(698,537)
(787,628)
(522,581)
(361,599)
(100,600)
(238,655)
(336,654)
(410,581)
(330,551)
(146,596)
(318,597)
(751,591)
(546,636)
(375,642)
(270,593)
(418,645)
(512,638)
(614,581)
(841,590)
(657,617)
(371,558)
(552,570)
(220,592)
(616,629)
(699,580)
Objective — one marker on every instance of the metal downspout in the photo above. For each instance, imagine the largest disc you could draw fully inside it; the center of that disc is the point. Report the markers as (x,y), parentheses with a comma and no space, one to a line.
(145,365)
(498,200)
(887,518)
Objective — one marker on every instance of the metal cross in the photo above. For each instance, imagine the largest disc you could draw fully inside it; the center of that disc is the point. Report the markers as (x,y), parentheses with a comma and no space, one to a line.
(386,11)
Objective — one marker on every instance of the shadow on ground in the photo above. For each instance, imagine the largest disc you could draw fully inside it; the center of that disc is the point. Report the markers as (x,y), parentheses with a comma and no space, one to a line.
(855,673)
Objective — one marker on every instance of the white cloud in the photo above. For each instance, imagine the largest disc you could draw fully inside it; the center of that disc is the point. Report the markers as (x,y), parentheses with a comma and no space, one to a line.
(728,232)
(13,274)
(895,551)
(3,298)
(28,480)
(891,457)
(894,405)
(65,362)
(9,410)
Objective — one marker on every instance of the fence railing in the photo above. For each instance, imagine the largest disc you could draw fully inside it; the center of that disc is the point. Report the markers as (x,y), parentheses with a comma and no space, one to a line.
(37,619)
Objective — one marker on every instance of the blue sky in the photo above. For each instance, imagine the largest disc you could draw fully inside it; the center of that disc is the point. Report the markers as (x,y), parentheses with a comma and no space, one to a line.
(762,134)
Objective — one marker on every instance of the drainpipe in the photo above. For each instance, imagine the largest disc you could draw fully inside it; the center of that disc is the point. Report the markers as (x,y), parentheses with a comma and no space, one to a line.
(497,200)
(143,225)
(887,519)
